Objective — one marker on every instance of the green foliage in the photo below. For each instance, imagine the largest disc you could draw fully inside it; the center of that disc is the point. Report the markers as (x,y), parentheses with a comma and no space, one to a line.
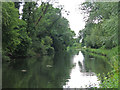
(111,56)
(29,17)
(111,81)
(102,25)
(10,21)
(44,45)
(53,25)
(41,30)
(11,26)
(100,36)
(17,4)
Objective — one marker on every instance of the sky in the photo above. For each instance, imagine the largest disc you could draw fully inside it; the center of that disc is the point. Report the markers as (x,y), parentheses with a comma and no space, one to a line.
(75,16)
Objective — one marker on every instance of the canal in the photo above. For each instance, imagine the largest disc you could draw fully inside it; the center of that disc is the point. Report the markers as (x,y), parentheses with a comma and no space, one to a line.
(62,70)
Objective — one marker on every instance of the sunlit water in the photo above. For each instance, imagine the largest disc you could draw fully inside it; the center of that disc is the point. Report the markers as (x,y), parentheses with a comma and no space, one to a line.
(79,78)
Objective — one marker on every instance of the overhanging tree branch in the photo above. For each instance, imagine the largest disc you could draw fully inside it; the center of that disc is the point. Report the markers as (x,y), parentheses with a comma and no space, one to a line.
(44,12)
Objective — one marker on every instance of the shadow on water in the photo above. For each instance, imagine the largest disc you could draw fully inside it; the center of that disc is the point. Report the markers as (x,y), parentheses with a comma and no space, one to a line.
(52,71)
(41,72)
(96,64)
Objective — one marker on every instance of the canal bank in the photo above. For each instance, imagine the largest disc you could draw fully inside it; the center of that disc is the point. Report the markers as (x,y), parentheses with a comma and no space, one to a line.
(110,80)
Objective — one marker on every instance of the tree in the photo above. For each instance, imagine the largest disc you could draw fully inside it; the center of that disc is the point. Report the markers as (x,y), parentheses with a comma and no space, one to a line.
(13,31)
(10,22)
(101,26)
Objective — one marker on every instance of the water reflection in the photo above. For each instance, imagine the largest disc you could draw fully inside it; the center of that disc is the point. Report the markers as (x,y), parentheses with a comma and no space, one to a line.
(63,70)
(79,78)
(42,72)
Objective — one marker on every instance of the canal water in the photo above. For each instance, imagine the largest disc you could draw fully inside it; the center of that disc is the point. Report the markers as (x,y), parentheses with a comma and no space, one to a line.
(79,77)
(63,70)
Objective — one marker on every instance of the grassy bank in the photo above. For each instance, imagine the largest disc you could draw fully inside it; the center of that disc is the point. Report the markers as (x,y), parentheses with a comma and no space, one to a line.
(111,56)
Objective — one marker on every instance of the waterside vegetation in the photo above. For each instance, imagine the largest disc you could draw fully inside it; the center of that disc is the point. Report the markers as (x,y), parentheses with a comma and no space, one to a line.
(100,36)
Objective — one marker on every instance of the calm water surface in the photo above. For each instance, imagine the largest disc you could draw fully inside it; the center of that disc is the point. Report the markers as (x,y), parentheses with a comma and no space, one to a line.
(63,70)
(79,77)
